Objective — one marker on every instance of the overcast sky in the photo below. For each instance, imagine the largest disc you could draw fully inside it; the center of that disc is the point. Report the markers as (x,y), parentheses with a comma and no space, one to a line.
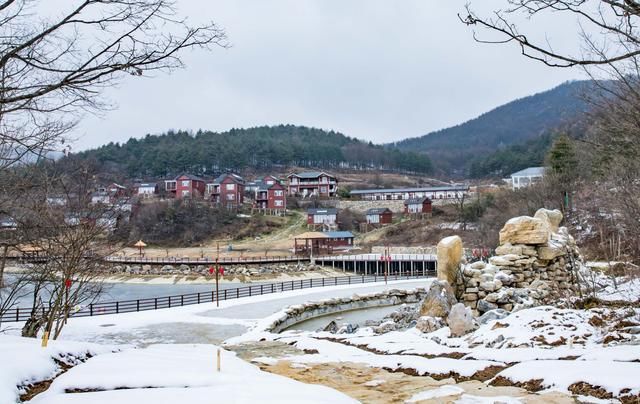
(378,70)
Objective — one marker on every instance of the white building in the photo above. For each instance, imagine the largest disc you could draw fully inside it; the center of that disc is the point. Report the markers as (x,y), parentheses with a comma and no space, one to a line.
(526,177)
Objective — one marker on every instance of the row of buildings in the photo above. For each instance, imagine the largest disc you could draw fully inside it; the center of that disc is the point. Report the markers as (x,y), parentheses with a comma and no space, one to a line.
(230,190)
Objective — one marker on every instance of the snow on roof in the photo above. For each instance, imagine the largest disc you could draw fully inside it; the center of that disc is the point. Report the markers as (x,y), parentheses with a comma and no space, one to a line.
(402,190)
(530,172)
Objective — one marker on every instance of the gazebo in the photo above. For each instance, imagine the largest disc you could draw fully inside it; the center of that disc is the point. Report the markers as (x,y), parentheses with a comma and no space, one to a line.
(140,245)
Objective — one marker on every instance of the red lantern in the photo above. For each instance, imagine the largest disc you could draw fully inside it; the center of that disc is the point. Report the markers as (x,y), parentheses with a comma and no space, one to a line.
(67,283)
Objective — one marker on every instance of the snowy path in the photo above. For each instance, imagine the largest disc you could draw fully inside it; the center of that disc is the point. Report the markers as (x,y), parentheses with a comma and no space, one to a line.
(161,373)
(205,323)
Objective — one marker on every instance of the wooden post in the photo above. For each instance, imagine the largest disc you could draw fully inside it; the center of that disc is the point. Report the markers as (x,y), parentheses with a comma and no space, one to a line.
(45,339)
(218,360)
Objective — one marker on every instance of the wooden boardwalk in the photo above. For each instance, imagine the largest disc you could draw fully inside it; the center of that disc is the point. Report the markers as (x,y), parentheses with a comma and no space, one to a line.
(366,264)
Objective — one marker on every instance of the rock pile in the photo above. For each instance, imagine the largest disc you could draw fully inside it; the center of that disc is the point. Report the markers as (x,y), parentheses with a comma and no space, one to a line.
(532,266)
(440,308)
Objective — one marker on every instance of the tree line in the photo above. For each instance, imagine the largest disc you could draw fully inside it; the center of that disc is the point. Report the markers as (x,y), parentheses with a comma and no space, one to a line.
(260,147)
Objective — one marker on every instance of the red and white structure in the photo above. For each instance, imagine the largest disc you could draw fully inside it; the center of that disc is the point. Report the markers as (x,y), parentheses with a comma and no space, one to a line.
(185,186)
(322,217)
(270,196)
(418,206)
(379,216)
(312,184)
(227,190)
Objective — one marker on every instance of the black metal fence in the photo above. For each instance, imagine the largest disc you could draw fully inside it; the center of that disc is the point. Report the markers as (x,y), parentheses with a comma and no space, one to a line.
(165,302)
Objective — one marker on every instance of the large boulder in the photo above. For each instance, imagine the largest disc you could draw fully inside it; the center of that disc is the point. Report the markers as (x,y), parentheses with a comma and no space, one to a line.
(449,251)
(438,301)
(429,324)
(460,320)
(525,230)
(553,217)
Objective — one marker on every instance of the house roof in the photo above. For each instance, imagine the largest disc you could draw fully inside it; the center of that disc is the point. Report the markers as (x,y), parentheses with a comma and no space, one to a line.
(311,235)
(338,234)
(234,177)
(377,211)
(529,172)
(189,177)
(265,187)
(322,211)
(310,174)
(415,201)
(402,190)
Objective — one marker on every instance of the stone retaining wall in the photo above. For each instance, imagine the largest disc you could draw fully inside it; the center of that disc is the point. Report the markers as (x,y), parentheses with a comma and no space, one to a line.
(177,269)
(299,313)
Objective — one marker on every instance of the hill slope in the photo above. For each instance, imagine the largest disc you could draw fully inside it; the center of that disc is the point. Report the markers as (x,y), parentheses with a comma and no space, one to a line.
(261,147)
(454,149)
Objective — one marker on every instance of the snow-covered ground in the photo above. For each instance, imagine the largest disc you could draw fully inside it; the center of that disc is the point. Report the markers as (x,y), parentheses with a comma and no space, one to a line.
(151,356)
(169,355)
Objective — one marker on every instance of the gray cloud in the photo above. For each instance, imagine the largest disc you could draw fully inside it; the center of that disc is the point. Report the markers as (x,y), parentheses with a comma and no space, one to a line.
(374,69)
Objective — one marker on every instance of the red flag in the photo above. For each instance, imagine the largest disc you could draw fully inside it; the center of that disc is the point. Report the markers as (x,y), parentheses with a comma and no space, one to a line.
(67,283)
(221,270)
(211,270)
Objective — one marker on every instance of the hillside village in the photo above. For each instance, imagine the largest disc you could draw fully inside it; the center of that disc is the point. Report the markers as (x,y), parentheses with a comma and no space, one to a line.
(316,194)
(451,221)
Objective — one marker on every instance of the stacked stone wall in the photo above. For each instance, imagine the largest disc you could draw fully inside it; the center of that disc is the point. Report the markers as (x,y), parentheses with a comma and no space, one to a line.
(533,265)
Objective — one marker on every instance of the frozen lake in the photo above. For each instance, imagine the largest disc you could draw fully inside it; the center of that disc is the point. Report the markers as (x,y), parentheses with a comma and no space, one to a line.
(354,317)
(133,291)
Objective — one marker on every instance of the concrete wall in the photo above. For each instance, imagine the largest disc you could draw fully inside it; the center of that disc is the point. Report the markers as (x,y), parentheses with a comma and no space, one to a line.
(299,313)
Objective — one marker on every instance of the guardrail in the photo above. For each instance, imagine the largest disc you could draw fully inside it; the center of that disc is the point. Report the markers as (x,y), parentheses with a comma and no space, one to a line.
(165,302)
(204,260)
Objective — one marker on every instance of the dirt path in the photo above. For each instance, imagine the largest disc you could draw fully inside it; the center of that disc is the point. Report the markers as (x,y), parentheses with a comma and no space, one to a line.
(375,385)
(277,243)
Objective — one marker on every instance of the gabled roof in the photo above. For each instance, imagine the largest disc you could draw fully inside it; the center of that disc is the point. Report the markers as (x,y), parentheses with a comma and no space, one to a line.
(338,234)
(529,172)
(311,235)
(322,211)
(265,187)
(234,177)
(189,177)
(378,211)
(310,174)
(415,201)
(402,190)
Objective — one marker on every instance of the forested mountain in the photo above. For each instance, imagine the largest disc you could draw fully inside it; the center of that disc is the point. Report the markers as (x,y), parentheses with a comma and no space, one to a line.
(527,122)
(261,147)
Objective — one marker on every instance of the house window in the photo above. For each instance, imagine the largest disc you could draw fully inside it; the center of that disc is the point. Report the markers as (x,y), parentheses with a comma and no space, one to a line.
(278,193)
(323,190)
(185,183)
(231,187)
(230,197)
(185,193)
(278,203)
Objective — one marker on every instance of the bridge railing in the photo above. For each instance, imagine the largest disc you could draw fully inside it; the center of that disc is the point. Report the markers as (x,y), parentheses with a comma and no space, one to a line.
(204,260)
(164,302)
